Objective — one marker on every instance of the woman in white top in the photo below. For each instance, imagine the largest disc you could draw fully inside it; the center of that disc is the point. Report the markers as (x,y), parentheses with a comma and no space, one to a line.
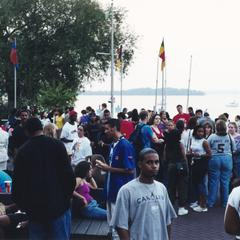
(81,147)
(200,153)
(187,133)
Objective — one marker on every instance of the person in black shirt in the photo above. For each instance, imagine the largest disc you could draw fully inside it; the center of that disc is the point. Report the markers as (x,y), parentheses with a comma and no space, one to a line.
(19,136)
(43,183)
(177,169)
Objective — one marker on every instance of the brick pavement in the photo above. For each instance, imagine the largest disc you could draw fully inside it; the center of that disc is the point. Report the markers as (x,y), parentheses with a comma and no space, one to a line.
(200,226)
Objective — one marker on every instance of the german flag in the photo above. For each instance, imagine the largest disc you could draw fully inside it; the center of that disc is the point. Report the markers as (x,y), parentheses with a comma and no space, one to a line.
(162,55)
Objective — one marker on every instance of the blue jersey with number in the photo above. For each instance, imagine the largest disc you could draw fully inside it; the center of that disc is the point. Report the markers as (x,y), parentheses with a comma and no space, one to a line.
(121,156)
(221,145)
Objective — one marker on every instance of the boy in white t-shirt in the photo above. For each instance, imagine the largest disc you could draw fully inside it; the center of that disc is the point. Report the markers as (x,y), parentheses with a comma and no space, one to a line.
(232,213)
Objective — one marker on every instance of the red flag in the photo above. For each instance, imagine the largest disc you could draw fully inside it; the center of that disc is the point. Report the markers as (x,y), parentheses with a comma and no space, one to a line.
(13,55)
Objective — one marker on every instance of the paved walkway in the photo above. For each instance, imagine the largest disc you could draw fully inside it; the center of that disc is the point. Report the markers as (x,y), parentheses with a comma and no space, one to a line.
(200,226)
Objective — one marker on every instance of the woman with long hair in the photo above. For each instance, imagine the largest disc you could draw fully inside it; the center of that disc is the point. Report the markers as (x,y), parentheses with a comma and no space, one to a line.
(187,133)
(159,147)
(220,165)
(85,182)
(50,130)
(154,124)
(208,129)
(163,121)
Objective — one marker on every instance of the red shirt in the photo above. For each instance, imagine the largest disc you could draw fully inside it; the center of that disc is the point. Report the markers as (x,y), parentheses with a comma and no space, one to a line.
(183,116)
(126,128)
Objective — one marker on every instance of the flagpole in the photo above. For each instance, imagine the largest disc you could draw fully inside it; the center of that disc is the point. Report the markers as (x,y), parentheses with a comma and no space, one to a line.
(112,62)
(189,81)
(121,82)
(156,89)
(15,81)
(162,106)
(165,89)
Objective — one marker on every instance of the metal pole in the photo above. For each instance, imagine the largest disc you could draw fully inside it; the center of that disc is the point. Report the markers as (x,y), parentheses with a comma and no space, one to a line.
(112,62)
(162,105)
(165,95)
(189,80)
(156,89)
(15,81)
(121,81)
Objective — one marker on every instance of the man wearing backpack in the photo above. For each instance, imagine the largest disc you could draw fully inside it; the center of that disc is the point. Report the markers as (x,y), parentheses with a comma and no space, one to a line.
(143,136)
(147,135)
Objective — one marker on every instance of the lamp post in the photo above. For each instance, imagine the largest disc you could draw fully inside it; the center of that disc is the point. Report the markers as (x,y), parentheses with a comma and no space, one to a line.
(112,100)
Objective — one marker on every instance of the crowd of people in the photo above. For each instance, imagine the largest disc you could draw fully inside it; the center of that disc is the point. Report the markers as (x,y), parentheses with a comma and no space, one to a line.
(147,162)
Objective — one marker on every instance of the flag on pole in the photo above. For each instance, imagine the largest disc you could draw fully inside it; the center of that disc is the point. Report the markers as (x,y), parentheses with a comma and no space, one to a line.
(119,58)
(162,55)
(13,55)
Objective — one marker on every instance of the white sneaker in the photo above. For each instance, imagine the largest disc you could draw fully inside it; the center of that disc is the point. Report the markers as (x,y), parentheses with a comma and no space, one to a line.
(237,237)
(182,211)
(200,209)
(194,204)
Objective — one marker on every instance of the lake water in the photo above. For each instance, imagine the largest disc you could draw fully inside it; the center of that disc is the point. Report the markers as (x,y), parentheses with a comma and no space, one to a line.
(215,104)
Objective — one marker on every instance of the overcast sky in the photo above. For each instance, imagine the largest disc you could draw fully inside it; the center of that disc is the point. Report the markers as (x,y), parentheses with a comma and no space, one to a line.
(206,29)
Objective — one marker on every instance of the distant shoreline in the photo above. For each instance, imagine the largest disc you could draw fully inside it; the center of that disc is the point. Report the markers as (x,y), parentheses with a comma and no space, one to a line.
(147,92)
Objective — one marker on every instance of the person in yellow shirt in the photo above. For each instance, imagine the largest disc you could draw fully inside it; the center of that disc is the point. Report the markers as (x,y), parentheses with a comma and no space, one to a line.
(59,121)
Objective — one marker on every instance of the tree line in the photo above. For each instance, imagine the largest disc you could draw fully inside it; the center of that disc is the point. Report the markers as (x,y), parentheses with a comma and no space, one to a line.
(57,45)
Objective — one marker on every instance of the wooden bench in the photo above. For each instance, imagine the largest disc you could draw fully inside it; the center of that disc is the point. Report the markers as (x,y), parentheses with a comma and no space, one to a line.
(90,229)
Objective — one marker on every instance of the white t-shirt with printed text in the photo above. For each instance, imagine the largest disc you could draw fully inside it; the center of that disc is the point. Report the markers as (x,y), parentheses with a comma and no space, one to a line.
(143,209)
(81,149)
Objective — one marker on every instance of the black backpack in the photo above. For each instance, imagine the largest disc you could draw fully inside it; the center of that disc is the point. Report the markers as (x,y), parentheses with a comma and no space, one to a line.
(136,138)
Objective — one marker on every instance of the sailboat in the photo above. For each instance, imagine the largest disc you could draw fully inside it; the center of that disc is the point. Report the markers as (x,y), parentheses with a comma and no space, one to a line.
(232,104)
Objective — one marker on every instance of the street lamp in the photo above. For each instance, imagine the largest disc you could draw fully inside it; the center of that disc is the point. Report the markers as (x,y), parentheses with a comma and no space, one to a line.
(112,100)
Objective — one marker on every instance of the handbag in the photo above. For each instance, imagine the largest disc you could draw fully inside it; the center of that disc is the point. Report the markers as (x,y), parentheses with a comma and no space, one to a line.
(182,168)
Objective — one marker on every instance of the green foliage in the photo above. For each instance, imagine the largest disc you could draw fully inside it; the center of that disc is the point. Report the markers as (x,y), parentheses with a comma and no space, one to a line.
(58,41)
(55,96)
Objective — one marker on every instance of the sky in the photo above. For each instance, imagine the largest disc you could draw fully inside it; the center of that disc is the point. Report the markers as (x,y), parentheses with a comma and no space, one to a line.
(206,29)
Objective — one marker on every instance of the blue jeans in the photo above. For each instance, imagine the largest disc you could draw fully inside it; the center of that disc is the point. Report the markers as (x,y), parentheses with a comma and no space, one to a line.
(92,210)
(220,170)
(57,229)
(202,187)
(236,165)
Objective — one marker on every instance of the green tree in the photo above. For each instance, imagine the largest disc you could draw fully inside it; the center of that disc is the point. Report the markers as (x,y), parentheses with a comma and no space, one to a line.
(57,42)
(55,96)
